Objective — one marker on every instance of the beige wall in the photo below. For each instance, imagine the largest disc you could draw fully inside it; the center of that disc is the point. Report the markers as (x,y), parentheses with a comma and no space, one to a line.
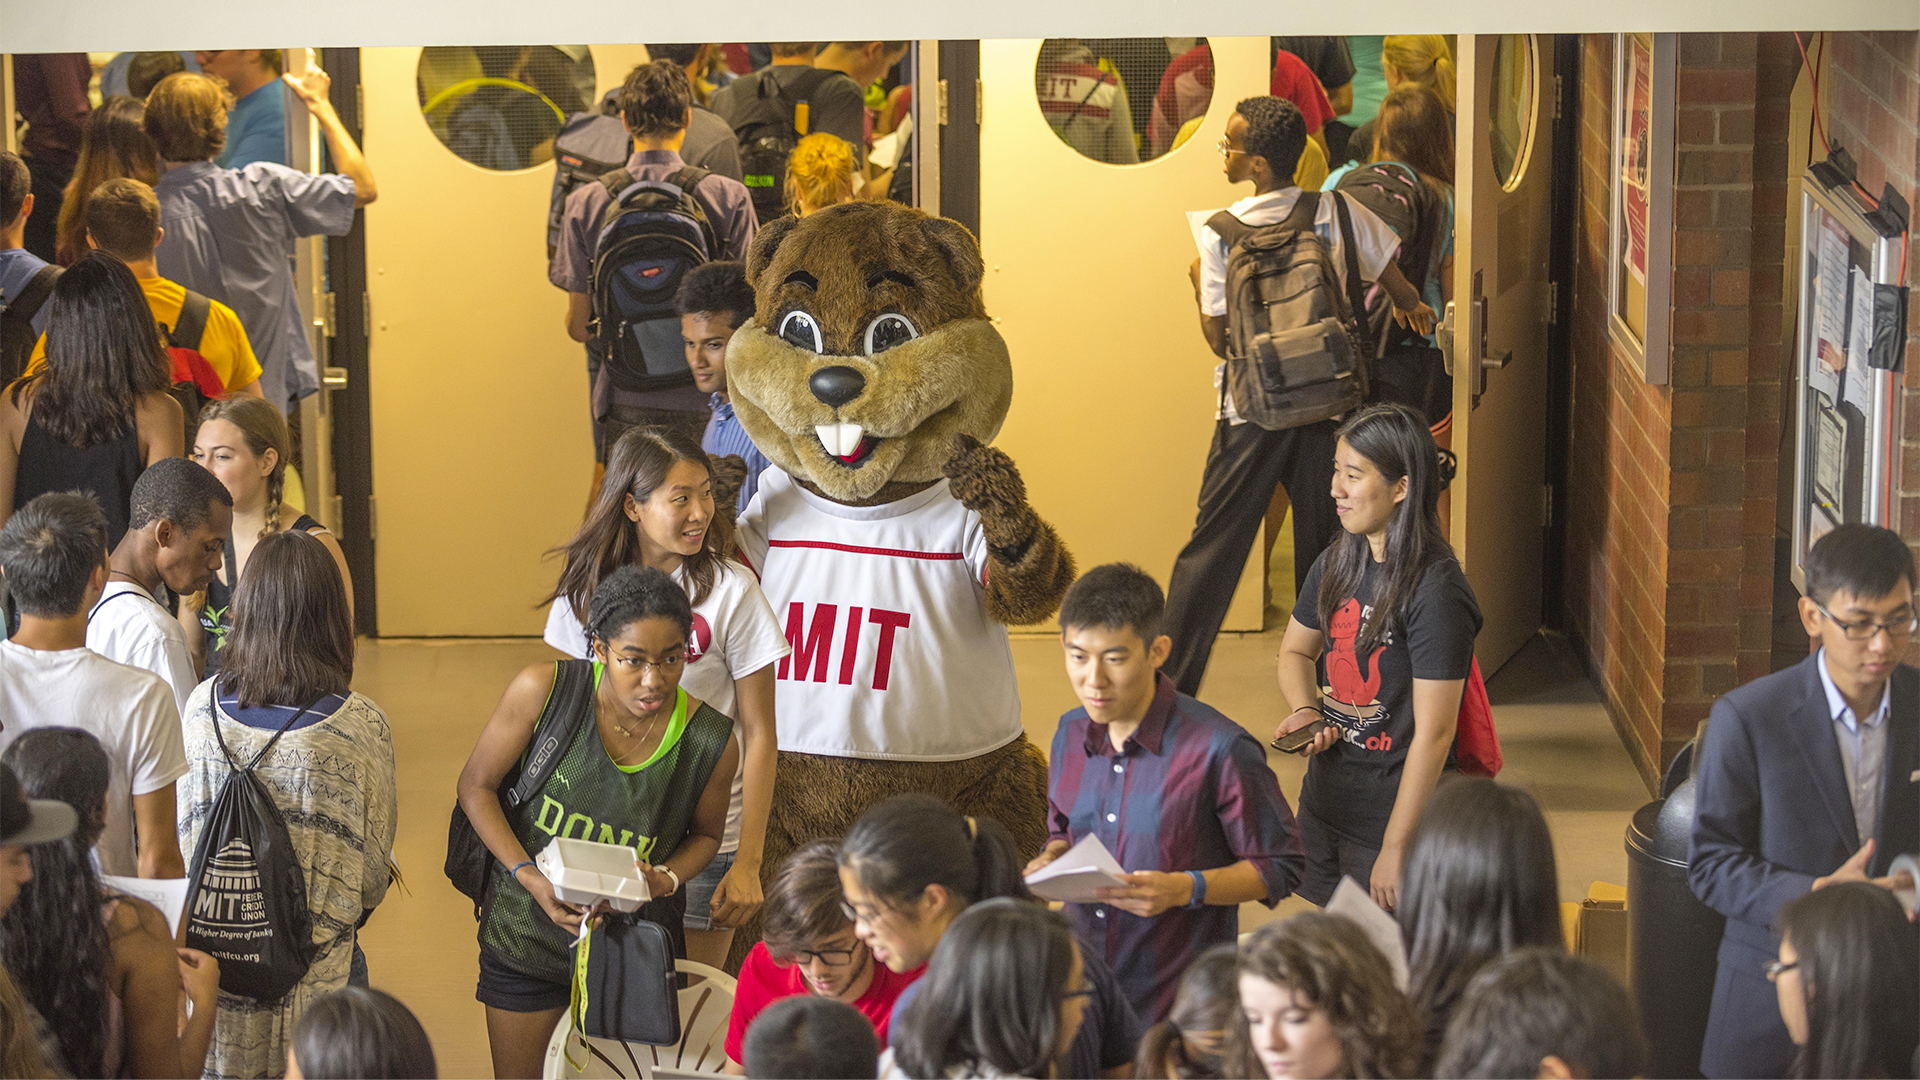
(481,452)
(1087,276)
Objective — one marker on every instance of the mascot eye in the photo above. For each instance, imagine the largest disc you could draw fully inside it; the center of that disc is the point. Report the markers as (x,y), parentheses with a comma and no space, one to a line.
(889,330)
(798,328)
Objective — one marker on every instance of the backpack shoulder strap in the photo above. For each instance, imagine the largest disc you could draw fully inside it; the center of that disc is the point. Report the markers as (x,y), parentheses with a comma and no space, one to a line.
(35,293)
(191,326)
(569,702)
(1356,297)
(806,84)
(1305,209)
(616,181)
(688,181)
(1229,228)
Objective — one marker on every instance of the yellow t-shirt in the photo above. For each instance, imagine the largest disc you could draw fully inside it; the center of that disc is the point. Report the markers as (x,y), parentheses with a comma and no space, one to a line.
(224,343)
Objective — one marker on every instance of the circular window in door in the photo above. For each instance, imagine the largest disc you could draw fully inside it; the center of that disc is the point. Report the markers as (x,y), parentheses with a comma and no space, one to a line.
(1514,108)
(500,107)
(1123,101)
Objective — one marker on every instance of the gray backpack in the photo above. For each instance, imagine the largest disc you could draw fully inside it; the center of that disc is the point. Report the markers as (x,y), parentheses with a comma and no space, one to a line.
(1296,352)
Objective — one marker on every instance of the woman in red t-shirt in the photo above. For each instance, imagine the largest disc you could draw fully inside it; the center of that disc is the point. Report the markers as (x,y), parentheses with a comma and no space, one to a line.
(808,947)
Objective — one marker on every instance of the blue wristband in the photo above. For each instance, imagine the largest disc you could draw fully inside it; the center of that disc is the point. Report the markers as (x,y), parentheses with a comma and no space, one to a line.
(1199,889)
(515,872)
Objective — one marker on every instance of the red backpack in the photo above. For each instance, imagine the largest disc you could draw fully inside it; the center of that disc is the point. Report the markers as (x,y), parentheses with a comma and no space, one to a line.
(195,383)
(1476,747)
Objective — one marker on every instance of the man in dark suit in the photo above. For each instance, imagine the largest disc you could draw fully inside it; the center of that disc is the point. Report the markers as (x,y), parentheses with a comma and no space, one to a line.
(1806,777)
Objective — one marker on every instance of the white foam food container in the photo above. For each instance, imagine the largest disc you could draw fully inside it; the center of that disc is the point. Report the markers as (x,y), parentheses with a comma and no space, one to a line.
(585,873)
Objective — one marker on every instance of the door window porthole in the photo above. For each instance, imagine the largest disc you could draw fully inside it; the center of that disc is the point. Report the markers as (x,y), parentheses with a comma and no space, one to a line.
(1514,107)
(1123,101)
(500,107)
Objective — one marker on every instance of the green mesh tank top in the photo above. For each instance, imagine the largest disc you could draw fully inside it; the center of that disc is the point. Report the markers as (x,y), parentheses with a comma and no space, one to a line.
(648,807)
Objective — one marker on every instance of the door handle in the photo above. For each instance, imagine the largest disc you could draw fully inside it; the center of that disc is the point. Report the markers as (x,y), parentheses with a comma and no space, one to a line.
(333,378)
(1495,363)
(1443,336)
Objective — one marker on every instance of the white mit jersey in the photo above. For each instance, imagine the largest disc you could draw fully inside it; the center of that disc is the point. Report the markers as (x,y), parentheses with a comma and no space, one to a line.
(894,654)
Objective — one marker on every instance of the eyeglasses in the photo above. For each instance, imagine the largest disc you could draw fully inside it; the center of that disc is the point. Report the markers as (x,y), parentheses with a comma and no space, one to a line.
(1226,149)
(1777,968)
(829,957)
(664,667)
(854,914)
(1084,992)
(1867,630)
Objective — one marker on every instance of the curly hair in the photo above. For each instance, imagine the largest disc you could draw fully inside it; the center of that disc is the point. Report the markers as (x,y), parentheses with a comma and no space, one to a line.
(820,173)
(54,939)
(716,287)
(633,593)
(1275,131)
(655,99)
(1328,961)
(187,117)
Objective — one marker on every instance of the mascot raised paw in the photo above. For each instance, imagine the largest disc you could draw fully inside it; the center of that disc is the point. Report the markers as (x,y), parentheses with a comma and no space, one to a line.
(894,544)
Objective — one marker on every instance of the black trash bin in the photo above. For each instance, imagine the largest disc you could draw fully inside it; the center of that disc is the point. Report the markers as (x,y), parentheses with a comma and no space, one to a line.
(1673,940)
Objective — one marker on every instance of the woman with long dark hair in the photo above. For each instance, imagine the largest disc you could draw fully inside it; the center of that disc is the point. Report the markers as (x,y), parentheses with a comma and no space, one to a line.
(1192,1042)
(1318,1002)
(1379,648)
(1479,880)
(99,413)
(284,689)
(114,144)
(656,509)
(912,864)
(648,765)
(1846,979)
(1006,993)
(100,967)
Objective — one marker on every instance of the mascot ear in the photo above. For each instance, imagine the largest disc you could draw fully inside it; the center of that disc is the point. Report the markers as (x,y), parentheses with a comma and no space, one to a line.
(765,242)
(959,246)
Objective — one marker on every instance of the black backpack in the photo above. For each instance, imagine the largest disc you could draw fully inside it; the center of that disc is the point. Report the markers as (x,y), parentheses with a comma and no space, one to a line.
(568,702)
(590,145)
(1295,349)
(16,323)
(195,383)
(651,234)
(1416,213)
(767,127)
(246,892)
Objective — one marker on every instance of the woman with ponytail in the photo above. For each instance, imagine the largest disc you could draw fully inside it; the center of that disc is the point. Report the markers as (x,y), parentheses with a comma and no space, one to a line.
(656,509)
(244,442)
(101,968)
(912,864)
(1421,60)
(1377,652)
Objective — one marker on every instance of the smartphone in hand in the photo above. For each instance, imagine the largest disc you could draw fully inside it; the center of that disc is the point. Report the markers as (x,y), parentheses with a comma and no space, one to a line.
(1295,741)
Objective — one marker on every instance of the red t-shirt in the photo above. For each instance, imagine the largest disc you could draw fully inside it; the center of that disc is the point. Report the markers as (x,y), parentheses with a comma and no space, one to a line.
(763,981)
(1295,81)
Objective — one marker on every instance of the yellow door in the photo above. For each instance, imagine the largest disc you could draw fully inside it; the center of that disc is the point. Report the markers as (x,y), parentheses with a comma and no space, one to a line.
(1504,187)
(1087,276)
(481,450)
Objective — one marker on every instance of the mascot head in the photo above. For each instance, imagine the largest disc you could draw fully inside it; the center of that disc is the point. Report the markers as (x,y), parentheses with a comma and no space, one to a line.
(870,349)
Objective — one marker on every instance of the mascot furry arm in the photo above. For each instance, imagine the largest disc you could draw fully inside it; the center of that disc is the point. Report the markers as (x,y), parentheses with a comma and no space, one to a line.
(1029,568)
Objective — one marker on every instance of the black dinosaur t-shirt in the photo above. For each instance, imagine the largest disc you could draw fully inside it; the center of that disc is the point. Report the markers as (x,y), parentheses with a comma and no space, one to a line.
(1352,785)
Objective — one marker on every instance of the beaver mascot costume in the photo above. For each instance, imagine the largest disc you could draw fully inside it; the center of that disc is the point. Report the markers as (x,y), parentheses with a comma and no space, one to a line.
(894,545)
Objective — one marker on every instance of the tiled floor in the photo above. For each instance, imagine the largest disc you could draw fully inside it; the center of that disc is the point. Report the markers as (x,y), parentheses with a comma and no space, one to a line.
(420,945)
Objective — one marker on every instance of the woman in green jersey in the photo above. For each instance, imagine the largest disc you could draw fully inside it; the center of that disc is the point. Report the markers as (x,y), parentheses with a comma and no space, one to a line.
(653,771)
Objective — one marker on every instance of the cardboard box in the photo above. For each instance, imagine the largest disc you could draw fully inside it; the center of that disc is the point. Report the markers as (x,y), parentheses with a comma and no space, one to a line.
(1602,930)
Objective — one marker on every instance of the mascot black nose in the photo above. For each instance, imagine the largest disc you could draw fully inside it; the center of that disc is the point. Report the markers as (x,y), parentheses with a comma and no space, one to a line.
(835,386)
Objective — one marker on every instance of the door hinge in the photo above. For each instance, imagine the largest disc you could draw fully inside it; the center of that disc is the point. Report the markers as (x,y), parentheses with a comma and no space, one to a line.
(943,102)
(1546,506)
(979,102)
(373,518)
(328,313)
(1553,303)
(366,315)
(1558,98)
(360,105)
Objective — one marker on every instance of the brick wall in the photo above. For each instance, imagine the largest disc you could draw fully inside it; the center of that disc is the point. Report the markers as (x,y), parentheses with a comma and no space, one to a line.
(1874,111)
(1671,535)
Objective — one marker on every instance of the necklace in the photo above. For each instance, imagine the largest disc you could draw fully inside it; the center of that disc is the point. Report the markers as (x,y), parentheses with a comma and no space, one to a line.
(628,734)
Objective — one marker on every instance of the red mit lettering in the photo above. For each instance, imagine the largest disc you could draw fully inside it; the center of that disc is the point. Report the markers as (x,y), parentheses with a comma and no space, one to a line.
(812,642)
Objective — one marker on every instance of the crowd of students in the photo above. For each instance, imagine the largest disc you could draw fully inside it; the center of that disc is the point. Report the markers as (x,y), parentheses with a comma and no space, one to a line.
(178,621)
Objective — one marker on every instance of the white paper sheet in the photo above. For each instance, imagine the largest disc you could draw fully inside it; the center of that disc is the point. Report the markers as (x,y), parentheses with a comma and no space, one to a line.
(888,148)
(1910,895)
(1858,384)
(167,894)
(1830,309)
(1381,928)
(1197,221)
(1073,877)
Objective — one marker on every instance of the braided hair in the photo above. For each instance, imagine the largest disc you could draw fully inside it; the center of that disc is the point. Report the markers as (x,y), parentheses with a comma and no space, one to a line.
(264,429)
(633,593)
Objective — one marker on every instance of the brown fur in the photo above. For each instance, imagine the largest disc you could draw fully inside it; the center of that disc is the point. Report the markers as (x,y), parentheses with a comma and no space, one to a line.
(933,403)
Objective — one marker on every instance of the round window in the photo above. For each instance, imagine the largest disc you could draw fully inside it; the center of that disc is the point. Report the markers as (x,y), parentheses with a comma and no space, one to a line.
(1124,100)
(499,107)
(1513,108)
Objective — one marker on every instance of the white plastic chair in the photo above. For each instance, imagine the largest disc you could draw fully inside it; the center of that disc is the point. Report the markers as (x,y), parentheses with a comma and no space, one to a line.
(704,1009)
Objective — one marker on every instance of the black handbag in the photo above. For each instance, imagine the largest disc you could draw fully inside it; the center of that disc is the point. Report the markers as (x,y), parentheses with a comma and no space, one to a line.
(570,700)
(624,983)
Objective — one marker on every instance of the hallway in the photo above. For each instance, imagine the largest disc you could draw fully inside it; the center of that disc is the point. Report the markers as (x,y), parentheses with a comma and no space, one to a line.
(420,945)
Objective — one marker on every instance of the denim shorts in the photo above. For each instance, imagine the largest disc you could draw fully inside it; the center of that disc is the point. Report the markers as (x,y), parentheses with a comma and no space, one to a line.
(700,893)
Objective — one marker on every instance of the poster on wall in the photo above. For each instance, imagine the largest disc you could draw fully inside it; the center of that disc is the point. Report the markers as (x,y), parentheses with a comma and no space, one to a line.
(1636,142)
